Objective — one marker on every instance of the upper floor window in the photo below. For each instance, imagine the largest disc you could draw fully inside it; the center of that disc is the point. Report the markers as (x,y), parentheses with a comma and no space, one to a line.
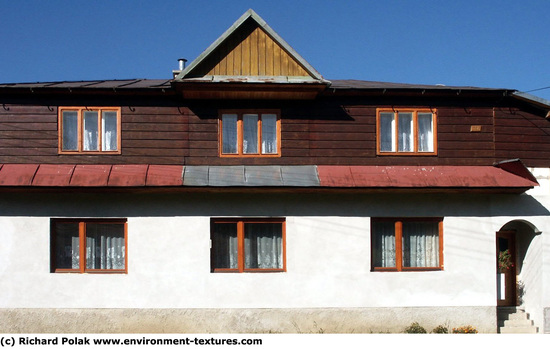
(250,133)
(407,244)
(248,245)
(89,245)
(406,132)
(89,130)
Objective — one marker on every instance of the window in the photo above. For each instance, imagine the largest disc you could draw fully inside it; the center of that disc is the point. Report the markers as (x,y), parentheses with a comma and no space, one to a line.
(89,130)
(88,246)
(248,245)
(407,244)
(250,133)
(406,132)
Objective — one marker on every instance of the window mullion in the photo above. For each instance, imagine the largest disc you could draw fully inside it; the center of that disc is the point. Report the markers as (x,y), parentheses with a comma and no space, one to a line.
(399,245)
(259,126)
(415,131)
(80,129)
(82,252)
(240,246)
(396,132)
(99,130)
(240,137)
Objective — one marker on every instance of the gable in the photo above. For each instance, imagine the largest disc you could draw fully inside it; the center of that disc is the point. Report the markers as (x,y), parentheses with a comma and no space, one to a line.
(250,52)
(250,48)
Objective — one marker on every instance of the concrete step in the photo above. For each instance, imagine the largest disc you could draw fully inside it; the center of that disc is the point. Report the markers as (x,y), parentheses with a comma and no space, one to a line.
(506,330)
(514,320)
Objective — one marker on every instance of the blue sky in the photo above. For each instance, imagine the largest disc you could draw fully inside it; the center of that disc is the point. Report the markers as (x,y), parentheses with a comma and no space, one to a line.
(485,43)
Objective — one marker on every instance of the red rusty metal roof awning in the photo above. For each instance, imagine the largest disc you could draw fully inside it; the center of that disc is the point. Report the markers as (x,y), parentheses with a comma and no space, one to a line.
(509,176)
(426,177)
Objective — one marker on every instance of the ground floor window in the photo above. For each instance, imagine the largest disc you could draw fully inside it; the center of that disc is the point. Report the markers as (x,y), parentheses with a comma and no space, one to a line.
(247,245)
(407,244)
(89,245)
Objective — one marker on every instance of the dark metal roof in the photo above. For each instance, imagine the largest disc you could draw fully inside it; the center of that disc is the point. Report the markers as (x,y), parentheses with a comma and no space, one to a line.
(363,84)
(165,83)
(106,84)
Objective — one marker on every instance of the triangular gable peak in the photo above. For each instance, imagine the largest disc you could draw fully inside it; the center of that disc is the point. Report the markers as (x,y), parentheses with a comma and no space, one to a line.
(252,51)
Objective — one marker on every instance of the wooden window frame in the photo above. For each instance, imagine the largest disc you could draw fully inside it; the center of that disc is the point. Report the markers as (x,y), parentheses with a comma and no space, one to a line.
(398,231)
(240,132)
(82,244)
(80,113)
(240,244)
(415,112)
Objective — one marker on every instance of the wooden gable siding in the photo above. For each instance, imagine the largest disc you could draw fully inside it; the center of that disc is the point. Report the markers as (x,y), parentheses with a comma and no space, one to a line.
(250,52)
(150,135)
(523,135)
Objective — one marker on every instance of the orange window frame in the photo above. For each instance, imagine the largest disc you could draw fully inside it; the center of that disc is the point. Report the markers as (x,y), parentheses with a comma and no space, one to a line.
(240,132)
(240,244)
(82,246)
(415,113)
(80,142)
(398,231)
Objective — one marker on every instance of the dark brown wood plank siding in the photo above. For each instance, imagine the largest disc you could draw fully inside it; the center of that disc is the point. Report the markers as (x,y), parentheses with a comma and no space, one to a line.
(150,135)
(322,133)
(520,134)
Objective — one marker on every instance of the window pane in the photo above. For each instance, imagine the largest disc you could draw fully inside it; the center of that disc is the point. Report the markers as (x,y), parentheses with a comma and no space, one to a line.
(67,246)
(405,129)
(224,246)
(250,137)
(384,244)
(387,131)
(70,130)
(229,133)
(263,246)
(420,244)
(425,132)
(89,130)
(109,130)
(269,134)
(105,247)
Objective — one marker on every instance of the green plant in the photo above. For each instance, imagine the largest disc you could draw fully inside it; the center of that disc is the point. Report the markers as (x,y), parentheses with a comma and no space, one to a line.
(465,329)
(441,329)
(415,328)
(504,261)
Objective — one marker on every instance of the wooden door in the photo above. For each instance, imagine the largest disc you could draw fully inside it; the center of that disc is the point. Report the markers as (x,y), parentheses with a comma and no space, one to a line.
(506,272)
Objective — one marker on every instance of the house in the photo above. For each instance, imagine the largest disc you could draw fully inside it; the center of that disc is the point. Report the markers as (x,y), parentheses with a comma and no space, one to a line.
(247,193)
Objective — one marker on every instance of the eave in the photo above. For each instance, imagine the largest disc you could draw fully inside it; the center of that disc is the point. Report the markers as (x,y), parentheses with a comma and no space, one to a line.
(235,89)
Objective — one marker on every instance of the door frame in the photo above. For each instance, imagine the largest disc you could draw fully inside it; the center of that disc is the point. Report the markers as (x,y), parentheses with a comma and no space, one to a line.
(506,239)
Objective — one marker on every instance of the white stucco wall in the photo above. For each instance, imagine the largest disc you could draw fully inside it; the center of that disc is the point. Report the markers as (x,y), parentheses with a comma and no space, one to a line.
(328,252)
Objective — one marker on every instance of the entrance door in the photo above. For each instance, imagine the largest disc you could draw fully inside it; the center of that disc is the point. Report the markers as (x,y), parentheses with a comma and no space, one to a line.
(506,268)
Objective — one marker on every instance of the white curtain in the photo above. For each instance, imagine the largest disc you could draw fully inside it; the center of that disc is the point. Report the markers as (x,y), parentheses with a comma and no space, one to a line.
(384,244)
(105,247)
(387,132)
(89,130)
(109,129)
(229,133)
(67,245)
(420,244)
(406,139)
(225,246)
(263,246)
(250,137)
(425,132)
(269,134)
(70,130)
